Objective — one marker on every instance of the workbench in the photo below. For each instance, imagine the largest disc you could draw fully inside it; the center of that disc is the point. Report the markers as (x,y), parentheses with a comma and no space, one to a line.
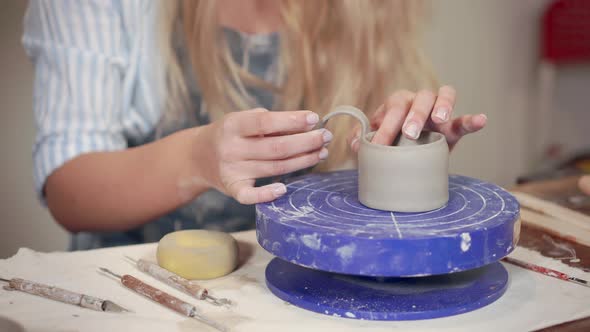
(532,301)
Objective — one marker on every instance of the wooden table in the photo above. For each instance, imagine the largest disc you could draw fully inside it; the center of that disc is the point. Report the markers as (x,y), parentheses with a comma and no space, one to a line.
(558,191)
(532,301)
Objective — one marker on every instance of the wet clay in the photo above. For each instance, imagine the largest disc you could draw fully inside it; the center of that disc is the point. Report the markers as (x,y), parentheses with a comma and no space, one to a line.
(408,176)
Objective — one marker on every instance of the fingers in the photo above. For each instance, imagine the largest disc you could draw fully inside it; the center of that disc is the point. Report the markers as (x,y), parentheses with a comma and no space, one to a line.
(419,113)
(468,124)
(396,108)
(259,122)
(461,126)
(268,168)
(283,147)
(445,102)
(379,115)
(245,192)
(353,138)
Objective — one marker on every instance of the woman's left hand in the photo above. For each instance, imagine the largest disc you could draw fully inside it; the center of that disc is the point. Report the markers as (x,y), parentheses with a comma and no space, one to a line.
(412,112)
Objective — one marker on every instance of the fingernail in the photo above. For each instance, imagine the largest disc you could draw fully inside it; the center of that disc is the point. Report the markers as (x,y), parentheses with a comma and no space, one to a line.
(411,129)
(327,136)
(442,113)
(279,189)
(323,154)
(312,119)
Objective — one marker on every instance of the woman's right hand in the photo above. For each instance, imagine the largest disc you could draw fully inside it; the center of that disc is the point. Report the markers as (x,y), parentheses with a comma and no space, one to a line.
(247,145)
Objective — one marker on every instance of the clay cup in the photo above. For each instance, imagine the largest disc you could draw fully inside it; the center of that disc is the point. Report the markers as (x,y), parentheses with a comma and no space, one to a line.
(408,176)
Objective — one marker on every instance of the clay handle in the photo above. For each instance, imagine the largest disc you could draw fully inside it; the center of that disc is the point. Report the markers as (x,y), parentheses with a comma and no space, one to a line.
(172,279)
(56,294)
(158,296)
(354,112)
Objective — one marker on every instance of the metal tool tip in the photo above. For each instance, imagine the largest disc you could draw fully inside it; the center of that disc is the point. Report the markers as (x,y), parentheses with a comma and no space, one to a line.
(218,301)
(131,259)
(110,306)
(580,281)
(109,272)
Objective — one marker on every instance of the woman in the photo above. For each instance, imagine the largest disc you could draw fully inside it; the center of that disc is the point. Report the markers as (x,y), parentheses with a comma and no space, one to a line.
(152,115)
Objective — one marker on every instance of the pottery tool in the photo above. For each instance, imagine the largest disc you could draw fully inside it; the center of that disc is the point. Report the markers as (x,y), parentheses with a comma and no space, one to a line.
(62,295)
(339,257)
(163,298)
(546,271)
(189,287)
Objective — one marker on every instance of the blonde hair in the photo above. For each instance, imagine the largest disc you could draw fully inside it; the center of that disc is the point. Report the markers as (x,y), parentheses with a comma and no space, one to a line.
(333,52)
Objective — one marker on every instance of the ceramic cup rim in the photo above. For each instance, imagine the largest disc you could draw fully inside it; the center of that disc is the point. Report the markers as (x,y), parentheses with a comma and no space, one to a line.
(438,140)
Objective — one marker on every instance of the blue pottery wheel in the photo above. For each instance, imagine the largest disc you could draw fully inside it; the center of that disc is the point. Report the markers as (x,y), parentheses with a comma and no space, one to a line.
(319,223)
(374,298)
(338,257)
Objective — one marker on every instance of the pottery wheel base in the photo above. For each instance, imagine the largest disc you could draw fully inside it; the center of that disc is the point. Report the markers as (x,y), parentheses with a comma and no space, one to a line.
(372,298)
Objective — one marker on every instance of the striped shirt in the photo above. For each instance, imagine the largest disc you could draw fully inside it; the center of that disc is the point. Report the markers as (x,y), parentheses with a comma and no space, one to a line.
(95,90)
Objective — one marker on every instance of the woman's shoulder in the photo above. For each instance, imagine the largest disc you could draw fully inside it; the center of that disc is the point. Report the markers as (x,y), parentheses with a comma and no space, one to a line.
(111,32)
(58,20)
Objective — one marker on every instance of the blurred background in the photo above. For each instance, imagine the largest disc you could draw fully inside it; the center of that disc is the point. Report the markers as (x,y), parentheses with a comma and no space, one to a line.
(489,50)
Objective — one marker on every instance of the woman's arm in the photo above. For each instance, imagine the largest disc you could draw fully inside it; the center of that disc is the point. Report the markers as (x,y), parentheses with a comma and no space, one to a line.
(108,191)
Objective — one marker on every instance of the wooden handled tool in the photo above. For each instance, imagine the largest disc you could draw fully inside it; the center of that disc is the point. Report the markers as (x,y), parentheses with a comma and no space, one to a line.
(163,298)
(62,295)
(176,281)
(546,271)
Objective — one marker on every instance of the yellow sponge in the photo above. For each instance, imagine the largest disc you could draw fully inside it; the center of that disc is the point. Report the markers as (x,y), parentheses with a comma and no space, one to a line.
(198,254)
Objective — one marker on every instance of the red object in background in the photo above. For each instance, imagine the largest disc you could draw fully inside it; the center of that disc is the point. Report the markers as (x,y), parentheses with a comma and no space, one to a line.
(566,31)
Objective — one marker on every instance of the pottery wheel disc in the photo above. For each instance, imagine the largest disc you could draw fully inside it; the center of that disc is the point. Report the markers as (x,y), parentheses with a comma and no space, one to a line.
(320,224)
(375,298)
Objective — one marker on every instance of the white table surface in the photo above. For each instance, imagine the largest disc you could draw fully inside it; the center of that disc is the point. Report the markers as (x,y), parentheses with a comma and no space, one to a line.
(532,301)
